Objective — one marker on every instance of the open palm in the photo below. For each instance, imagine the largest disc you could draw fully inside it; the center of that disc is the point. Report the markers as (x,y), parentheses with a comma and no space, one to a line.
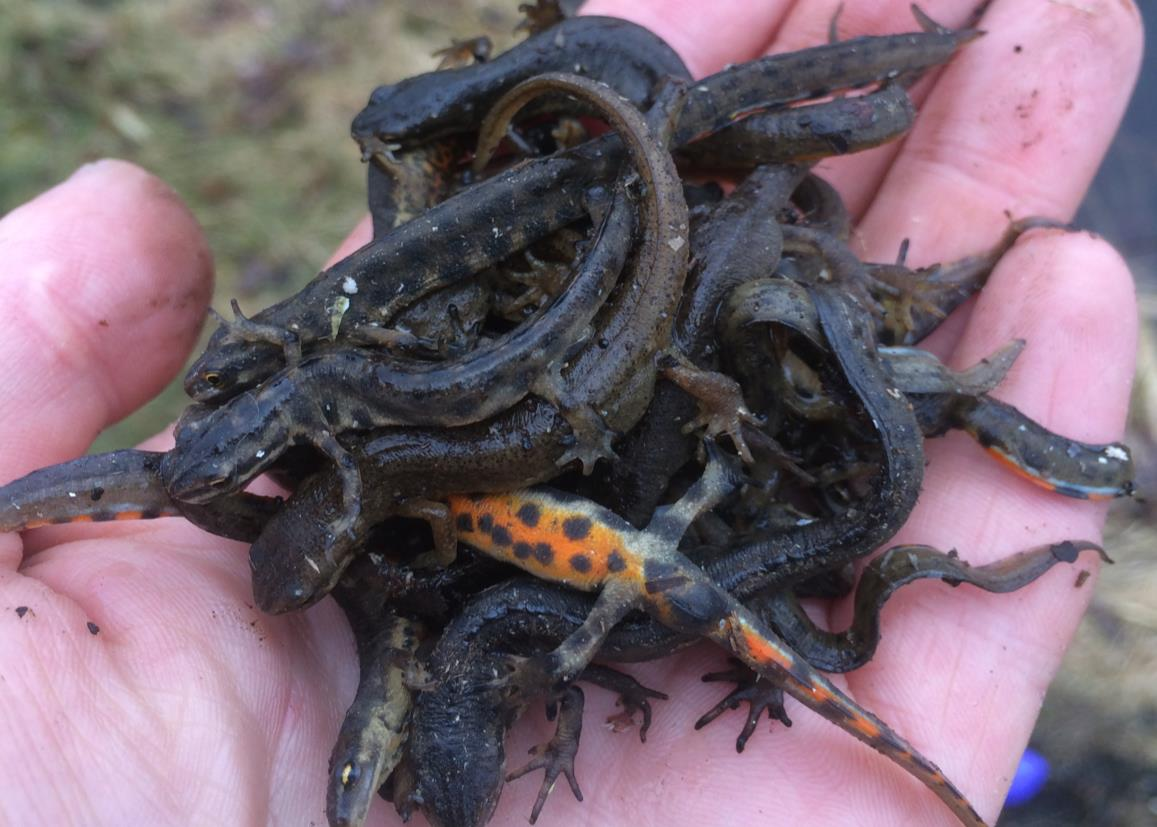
(139,685)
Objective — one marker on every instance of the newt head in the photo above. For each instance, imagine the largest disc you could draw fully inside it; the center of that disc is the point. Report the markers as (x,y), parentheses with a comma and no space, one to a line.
(219,451)
(229,366)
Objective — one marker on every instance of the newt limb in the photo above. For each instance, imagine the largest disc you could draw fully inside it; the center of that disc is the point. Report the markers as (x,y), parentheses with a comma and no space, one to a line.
(556,757)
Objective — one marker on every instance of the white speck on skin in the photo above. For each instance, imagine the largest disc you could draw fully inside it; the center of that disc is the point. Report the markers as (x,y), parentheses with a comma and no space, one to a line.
(677,243)
(260,454)
(313,565)
(72,494)
(350,286)
(1117,452)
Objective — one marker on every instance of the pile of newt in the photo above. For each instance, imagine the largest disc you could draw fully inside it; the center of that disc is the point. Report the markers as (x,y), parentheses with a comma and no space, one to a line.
(677,407)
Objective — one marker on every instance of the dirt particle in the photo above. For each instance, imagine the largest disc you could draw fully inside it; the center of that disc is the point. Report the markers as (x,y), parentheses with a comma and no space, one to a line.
(93,629)
(1018,48)
(23,610)
(1082,576)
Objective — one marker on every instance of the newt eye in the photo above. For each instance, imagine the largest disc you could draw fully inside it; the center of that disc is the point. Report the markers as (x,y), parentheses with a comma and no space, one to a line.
(212,379)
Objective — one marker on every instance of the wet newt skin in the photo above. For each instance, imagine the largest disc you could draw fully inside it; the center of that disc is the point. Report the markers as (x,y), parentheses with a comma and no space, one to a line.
(532,201)
(944,400)
(572,542)
(476,689)
(435,104)
(740,240)
(310,403)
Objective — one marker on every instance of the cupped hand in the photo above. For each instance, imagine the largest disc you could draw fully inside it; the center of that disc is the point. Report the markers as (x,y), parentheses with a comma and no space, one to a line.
(139,685)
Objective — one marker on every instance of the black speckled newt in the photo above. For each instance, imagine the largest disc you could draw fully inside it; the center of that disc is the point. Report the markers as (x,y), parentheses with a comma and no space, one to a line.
(586,547)
(435,104)
(121,485)
(308,404)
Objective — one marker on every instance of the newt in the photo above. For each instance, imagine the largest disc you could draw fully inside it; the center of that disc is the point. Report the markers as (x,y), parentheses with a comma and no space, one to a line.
(475,687)
(121,485)
(586,547)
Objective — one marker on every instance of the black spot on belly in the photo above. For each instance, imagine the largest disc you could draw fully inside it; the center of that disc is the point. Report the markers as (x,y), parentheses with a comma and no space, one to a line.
(150,513)
(576,528)
(580,563)
(615,562)
(543,553)
(97,493)
(464,523)
(529,514)
(485,523)
(523,551)
(501,536)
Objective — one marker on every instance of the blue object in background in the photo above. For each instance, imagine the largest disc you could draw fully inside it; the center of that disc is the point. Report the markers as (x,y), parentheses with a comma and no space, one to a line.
(1031,775)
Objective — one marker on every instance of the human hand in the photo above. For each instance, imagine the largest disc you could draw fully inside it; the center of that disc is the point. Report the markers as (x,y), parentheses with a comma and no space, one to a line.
(190,706)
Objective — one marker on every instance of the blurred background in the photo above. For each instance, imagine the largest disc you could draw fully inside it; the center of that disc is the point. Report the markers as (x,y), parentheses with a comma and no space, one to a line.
(243,106)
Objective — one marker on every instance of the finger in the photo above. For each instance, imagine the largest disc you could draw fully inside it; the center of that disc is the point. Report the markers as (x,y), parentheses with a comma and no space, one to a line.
(105,282)
(707,36)
(360,236)
(985,660)
(1017,123)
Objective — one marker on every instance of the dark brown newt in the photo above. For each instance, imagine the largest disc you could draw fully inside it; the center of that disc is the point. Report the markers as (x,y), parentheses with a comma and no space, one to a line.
(804,133)
(376,726)
(637,324)
(369,288)
(583,546)
(121,485)
(435,104)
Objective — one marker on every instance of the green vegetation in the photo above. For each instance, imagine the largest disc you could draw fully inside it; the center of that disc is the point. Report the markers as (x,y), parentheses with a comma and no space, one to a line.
(242,106)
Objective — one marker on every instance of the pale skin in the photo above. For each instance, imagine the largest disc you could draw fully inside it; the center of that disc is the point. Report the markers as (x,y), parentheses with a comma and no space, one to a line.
(191,707)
